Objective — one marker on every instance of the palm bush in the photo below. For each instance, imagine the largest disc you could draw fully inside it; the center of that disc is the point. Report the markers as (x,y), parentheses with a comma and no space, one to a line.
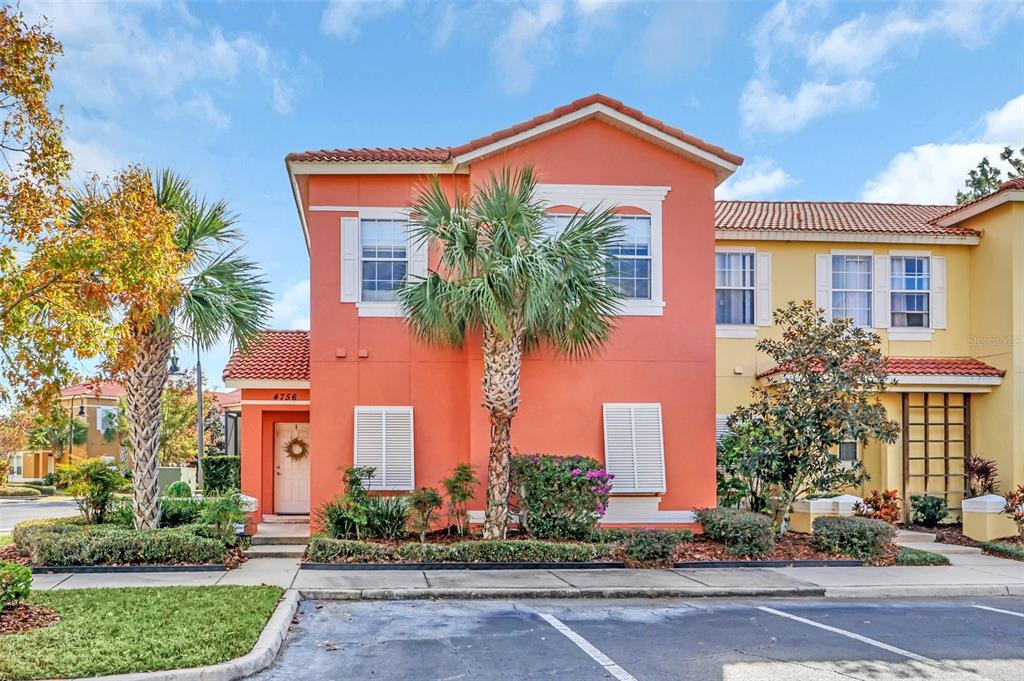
(501,274)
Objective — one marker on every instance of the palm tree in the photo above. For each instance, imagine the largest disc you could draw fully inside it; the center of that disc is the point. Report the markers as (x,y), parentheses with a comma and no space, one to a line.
(504,275)
(52,432)
(222,293)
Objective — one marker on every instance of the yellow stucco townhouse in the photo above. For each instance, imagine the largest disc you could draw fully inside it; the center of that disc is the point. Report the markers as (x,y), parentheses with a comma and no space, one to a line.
(943,286)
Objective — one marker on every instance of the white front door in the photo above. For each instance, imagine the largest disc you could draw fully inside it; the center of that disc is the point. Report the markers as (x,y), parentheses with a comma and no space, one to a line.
(291,468)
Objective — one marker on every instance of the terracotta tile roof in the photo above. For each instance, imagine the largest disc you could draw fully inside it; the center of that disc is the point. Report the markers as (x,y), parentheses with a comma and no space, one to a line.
(1016,183)
(275,356)
(375,155)
(442,154)
(927,366)
(94,388)
(834,216)
(229,398)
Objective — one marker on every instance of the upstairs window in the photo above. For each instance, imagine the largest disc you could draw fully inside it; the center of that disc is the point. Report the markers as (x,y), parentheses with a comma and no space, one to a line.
(910,286)
(734,288)
(384,258)
(851,288)
(629,261)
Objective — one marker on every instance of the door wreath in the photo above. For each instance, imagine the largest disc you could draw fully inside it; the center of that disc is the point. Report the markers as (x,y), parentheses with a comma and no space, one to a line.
(297,449)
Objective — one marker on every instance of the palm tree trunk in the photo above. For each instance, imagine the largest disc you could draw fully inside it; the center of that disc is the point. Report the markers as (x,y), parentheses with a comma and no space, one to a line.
(502,362)
(144,387)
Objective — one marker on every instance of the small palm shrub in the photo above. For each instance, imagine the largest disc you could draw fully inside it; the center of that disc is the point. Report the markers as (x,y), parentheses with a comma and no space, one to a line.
(927,510)
(425,503)
(346,515)
(1015,508)
(176,511)
(459,489)
(744,534)
(884,506)
(982,476)
(386,517)
(15,584)
(859,537)
(560,497)
(222,512)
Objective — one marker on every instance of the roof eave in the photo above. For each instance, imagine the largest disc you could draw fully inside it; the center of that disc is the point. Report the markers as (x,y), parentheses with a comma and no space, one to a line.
(726,234)
(958,215)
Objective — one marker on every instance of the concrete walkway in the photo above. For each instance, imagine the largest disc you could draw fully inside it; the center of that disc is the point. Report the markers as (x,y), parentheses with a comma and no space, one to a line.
(971,575)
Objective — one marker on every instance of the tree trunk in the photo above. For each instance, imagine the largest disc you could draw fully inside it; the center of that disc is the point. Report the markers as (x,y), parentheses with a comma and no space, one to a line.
(144,387)
(502,362)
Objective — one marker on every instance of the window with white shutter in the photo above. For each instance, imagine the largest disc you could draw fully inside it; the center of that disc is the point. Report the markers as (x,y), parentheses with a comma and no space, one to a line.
(634,449)
(721,426)
(384,441)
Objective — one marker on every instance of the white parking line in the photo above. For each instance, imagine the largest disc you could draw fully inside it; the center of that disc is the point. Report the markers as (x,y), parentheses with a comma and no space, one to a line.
(1005,612)
(850,634)
(585,645)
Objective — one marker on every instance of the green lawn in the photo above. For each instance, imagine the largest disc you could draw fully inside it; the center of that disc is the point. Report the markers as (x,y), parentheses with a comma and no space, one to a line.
(909,556)
(117,631)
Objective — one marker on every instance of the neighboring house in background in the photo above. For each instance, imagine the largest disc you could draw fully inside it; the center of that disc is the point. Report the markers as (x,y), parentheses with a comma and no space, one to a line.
(230,404)
(91,403)
(942,285)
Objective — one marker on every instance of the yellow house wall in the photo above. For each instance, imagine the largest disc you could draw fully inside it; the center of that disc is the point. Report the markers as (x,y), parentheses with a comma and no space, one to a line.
(95,445)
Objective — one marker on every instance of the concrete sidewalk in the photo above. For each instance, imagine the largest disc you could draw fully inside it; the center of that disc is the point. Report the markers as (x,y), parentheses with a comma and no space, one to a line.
(975,575)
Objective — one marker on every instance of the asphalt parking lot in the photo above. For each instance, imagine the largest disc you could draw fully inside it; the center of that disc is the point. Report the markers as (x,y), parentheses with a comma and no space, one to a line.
(649,640)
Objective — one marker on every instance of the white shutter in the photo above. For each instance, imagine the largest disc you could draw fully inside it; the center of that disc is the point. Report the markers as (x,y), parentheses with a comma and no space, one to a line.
(384,440)
(350,260)
(417,258)
(763,289)
(938,293)
(880,293)
(721,427)
(823,283)
(634,449)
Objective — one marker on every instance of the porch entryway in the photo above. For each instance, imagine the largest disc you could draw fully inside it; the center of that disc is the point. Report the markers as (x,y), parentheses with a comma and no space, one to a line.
(936,444)
(291,468)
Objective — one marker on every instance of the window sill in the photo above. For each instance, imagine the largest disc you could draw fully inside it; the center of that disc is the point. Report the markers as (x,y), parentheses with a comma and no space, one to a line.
(901,334)
(642,308)
(735,331)
(379,309)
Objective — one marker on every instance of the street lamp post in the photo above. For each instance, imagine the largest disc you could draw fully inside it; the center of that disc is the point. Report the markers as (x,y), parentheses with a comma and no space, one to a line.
(71,424)
(200,421)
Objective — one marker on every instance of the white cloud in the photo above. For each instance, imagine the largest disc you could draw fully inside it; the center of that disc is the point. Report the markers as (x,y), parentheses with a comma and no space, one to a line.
(758,179)
(282,94)
(678,37)
(91,157)
(933,173)
(291,309)
(342,17)
(524,41)
(201,106)
(763,107)
(835,67)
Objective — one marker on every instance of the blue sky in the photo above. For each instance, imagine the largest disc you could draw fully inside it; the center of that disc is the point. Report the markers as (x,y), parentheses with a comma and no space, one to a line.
(873,101)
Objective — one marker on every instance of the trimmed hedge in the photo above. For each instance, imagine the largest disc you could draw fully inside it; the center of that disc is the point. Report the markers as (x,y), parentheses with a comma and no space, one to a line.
(863,538)
(222,473)
(744,534)
(1003,549)
(323,549)
(43,489)
(909,556)
(11,491)
(26,533)
(15,583)
(644,546)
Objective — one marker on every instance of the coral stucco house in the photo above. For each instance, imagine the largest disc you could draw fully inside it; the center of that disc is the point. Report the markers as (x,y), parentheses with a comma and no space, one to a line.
(943,286)
(359,390)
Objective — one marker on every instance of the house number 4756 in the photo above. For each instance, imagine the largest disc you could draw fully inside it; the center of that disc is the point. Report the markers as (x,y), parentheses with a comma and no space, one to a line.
(286,396)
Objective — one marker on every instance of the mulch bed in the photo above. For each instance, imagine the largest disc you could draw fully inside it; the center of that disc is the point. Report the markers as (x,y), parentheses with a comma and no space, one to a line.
(12,554)
(24,617)
(945,534)
(791,546)
(236,556)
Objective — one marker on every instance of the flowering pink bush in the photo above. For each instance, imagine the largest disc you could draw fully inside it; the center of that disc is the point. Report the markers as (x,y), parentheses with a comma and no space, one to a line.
(560,497)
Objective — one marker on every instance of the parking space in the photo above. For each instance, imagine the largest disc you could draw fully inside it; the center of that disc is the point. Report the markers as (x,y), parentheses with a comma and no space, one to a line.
(649,640)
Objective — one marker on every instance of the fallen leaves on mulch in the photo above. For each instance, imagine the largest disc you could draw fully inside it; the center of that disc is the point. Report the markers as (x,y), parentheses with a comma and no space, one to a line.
(791,546)
(12,554)
(235,557)
(945,534)
(24,617)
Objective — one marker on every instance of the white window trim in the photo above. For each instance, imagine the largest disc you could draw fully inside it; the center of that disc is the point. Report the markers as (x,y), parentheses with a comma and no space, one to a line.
(376,308)
(646,198)
(739,330)
(412,444)
(913,333)
(871,288)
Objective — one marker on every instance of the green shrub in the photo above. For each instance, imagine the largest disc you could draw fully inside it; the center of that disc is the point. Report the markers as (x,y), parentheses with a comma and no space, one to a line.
(178,490)
(425,503)
(505,551)
(222,512)
(26,532)
(120,512)
(863,538)
(17,491)
(222,473)
(51,479)
(15,583)
(346,515)
(650,546)
(744,534)
(927,510)
(560,497)
(322,549)
(386,517)
(1003,549)
(459,489)
(121,546)
(43,489)
(175,511)
(94,484)
(908,556)
(618,535)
